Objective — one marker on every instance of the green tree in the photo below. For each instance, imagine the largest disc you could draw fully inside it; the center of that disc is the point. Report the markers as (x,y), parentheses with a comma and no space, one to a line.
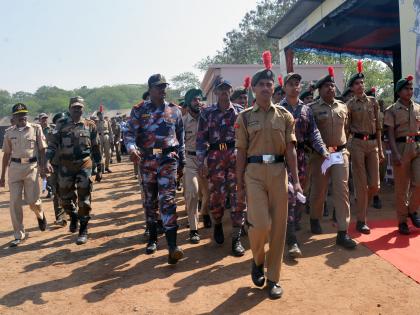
(185,81)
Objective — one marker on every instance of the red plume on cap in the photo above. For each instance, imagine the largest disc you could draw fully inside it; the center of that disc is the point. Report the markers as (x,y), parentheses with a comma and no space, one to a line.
(247,82)
(373,89)
(280,79)
(266,56)
(359,66)
(410,77)
(101,107)
(331,71)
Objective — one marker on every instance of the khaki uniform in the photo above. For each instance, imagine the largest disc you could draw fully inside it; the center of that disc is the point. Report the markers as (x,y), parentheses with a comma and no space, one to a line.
(194,185)
(24,144)
(105,138)
(364,120)
(406,122)
(262,132)
(331,120)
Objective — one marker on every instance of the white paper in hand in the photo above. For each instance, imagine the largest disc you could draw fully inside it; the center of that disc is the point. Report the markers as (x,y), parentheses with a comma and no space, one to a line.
(335,158)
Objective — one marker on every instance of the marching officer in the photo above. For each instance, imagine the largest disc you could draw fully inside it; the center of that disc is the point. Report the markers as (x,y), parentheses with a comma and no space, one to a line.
(23,149)
(365,146)
(307,135)
(265,139)
(403,122)
(105,136)
(74,140)
(216,143)
(331,117)
(116,141)
(156,136)
(193,182)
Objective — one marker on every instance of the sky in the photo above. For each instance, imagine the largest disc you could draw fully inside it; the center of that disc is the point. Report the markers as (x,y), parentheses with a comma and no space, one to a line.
(72,43)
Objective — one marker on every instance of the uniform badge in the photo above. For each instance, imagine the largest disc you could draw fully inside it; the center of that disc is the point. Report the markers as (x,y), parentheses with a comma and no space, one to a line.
(145,116)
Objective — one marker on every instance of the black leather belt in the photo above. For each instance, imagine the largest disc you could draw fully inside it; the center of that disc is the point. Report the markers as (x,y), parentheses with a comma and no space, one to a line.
(266,159)
(364,137)
(191,153)
(408,139)
(156,151)
(222,146)
(24,160)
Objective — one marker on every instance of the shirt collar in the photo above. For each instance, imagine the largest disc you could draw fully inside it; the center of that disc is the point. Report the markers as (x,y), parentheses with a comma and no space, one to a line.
(256,107)
(363,98)
(325,103)
(401,105)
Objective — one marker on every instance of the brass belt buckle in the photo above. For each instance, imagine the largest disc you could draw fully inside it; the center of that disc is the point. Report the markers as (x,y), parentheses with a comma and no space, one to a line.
(268,158)
(365,137)
(222,146)
(157,151)
(24,160)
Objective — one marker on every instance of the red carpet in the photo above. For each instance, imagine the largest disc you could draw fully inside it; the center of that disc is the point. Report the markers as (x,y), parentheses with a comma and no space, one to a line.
(403,251)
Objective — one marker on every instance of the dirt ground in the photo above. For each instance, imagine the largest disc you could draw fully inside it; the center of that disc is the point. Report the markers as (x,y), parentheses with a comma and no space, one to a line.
(111,274)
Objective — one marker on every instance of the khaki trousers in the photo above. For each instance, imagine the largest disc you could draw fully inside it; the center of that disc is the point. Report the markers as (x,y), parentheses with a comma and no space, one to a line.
(407,180)
(23,178)
(106,149)
(266,193)
(365,171)
(339,175)
(194,186)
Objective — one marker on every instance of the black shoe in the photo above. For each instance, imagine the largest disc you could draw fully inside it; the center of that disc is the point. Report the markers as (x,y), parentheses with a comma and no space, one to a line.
(237,249)
(377,203)
(343,239)
(415,219)
(160,228)
(274,290)
(206,221)
(294,251)
(74,222)
(403,229)
(257,274)
(153,235)
(315,226)
(60,222)
(362,227)
(218,235)
(108,170)
(17,242)
(111,162)
(83,231)
(175,252)
(194,237)
(326,212)
(42,223)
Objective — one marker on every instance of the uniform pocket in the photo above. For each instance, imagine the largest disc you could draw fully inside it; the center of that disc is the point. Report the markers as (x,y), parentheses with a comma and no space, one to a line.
(30,143)
(84,138)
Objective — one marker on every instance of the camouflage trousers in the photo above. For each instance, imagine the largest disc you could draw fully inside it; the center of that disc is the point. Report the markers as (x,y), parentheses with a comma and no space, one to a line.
(158,177)
(53,182)
(75,186)
(222,184)
(295,208)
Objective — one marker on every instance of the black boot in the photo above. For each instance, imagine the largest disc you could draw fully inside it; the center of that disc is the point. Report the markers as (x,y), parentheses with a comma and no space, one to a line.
(42,223)
(415,219)
(194,237)
(257,274)
(175,252)
(343,239)
(74,222)
(274,290)
(403,228)
(160,228)
(206,221)
(362,227)
(237,249)
(83,231)
(377,204)
(316,226)
(152,243)
(218,235)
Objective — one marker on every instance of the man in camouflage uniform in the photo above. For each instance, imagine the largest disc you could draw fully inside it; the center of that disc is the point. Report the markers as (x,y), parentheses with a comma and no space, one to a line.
(116,141)
(105,136)
(53,177)
(216,142)
(156,136)
(74,140)
(307,135)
